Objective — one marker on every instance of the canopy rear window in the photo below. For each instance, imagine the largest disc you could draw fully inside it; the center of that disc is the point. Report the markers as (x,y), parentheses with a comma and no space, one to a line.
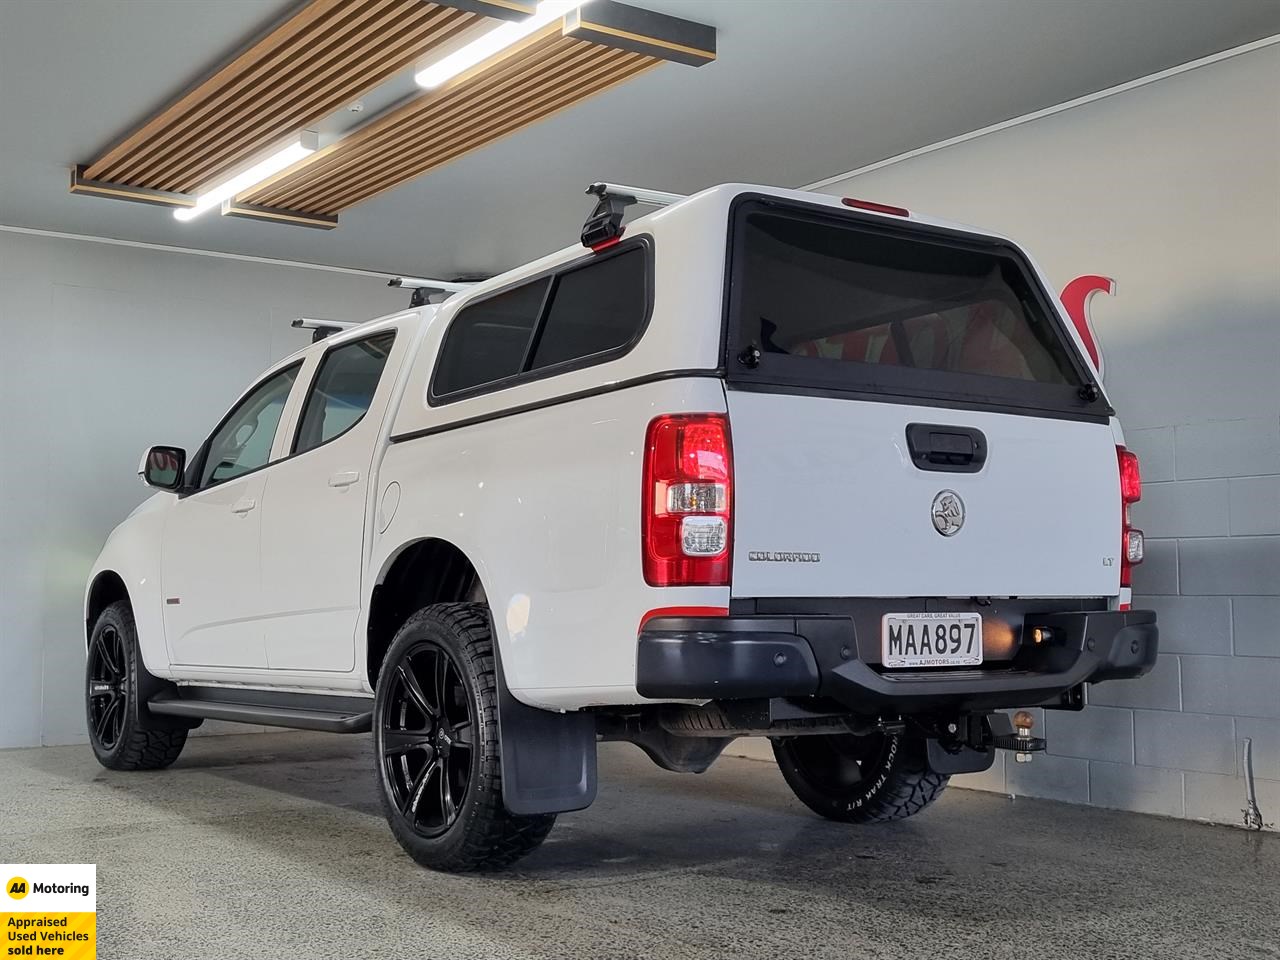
(840,301)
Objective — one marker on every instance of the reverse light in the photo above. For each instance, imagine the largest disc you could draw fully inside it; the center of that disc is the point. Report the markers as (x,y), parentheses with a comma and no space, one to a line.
(306,143)
(493,42)
(687,519)
(1132,542)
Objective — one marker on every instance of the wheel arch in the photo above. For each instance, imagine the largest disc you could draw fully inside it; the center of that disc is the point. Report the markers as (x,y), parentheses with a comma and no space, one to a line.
(105,588)
(421,572)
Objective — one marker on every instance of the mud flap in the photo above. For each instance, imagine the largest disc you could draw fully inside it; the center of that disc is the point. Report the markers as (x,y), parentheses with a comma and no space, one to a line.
(960,758)
(148,687)
(548,758)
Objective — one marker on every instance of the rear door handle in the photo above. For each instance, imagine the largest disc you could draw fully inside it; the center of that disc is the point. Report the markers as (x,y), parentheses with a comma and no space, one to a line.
(344,479)
(946,449)
(244,505)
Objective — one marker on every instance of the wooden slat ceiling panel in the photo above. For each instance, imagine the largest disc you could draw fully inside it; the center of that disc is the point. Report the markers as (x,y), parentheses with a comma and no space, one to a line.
(546,73)
(325,56)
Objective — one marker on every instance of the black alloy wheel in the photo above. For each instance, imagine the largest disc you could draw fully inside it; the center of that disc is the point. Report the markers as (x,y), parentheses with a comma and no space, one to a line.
(437,744)
(427,728)
(108,680)
(840,763)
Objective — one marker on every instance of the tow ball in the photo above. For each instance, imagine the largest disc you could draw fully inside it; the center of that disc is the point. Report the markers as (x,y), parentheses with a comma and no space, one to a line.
(1016,735)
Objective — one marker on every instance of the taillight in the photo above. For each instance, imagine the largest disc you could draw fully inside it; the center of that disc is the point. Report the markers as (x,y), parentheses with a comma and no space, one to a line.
(1132,544)
(687,520)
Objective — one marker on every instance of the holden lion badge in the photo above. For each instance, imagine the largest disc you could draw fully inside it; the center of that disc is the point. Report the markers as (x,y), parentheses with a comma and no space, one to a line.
(948,513)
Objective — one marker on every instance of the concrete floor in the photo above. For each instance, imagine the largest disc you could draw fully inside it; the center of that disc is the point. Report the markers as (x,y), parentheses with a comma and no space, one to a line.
(272,846)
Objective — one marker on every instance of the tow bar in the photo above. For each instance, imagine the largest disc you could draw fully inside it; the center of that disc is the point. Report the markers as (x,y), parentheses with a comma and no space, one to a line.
(1016,735)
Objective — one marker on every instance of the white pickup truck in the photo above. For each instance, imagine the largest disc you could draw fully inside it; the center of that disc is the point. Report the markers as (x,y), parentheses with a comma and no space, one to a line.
(759,463)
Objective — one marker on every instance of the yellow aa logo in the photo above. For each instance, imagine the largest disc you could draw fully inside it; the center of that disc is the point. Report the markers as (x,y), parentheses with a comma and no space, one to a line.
(17,888)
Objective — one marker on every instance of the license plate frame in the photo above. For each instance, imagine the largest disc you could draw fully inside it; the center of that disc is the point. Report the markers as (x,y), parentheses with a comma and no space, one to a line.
(912,648)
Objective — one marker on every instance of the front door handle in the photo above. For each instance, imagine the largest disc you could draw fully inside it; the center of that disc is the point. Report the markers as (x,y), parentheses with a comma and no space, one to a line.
(244,505)
(344,479)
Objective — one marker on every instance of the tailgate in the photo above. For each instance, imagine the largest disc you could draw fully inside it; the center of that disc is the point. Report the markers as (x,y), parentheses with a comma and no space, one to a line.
(830,503)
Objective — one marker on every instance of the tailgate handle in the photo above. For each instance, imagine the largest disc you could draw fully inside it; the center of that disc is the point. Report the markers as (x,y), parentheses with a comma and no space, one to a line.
(937,447)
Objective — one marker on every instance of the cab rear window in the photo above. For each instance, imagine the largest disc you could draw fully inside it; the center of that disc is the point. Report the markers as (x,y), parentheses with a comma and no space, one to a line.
(836,300)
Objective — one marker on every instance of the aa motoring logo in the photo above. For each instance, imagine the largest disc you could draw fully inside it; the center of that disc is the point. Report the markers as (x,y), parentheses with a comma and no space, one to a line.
(19,887)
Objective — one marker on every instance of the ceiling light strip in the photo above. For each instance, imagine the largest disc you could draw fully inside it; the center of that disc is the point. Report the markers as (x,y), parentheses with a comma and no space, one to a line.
(493,43)
(294,74)
(484,126)
(284,157)
(310,86)
(105,167)
(329,53)
(432,118)
(383,131)
(189,131)
(418,168)
(377,175)
(305,95)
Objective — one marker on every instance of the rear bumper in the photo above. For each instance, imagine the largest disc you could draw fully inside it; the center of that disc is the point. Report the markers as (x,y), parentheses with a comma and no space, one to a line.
(739,657)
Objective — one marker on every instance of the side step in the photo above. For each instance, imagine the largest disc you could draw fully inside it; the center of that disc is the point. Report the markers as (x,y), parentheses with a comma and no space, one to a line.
(272,708)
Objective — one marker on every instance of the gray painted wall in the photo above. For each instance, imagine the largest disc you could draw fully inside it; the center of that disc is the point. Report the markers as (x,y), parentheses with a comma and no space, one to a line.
(1173,189)
(103,351)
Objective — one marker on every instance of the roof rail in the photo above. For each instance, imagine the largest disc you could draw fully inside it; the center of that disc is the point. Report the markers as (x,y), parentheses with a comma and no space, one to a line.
(604,227)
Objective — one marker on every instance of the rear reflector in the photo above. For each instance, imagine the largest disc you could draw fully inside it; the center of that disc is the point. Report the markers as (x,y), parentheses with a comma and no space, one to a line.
(683,612)
(875,207)
(687,510)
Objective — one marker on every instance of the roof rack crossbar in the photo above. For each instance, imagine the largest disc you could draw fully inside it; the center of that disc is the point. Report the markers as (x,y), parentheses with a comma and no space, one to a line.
(653,198)
(423,288)
(321,328)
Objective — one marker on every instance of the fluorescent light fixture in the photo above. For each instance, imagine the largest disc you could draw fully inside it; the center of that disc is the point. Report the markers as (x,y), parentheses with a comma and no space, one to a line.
(305,143)
(495,41)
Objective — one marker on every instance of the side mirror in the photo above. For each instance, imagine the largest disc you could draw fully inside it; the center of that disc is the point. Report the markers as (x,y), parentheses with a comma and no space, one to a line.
(163,467)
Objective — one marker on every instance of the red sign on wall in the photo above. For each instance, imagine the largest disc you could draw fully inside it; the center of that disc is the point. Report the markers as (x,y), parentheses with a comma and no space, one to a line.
(1075,297)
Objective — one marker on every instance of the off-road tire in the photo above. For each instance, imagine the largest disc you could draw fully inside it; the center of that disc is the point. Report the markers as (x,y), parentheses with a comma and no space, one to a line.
(131,748)
(892,781)
(485,836)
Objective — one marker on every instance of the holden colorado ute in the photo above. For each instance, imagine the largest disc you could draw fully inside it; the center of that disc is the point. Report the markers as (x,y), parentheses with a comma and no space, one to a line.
(759,463)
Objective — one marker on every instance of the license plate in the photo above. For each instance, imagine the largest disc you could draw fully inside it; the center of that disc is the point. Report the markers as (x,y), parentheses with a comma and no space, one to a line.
(931,639)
